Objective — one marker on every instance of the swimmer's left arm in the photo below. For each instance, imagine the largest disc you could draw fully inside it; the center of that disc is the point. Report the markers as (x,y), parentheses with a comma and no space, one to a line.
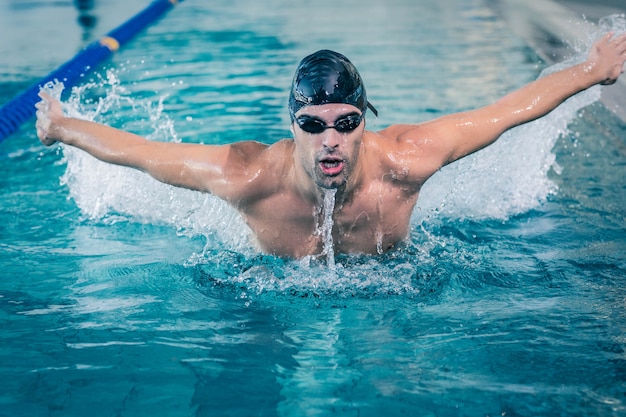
(464,133)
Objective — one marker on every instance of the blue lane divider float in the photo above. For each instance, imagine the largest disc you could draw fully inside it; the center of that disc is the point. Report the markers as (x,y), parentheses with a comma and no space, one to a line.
(22,107)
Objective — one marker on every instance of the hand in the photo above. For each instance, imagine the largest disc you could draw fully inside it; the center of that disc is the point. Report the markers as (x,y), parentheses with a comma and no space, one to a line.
(607,57)
(49,112)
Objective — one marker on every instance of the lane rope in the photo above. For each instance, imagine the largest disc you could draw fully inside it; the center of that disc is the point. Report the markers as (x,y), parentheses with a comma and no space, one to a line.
(22,107)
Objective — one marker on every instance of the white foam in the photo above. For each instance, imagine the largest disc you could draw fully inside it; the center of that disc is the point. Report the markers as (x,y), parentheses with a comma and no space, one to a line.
(513,175)
(110,193)
(508,178)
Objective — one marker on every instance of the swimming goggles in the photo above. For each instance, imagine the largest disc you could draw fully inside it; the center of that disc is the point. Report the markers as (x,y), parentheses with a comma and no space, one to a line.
(316,126)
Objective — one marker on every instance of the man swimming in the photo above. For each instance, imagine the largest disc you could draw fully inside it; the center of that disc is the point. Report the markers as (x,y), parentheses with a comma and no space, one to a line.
(376,176)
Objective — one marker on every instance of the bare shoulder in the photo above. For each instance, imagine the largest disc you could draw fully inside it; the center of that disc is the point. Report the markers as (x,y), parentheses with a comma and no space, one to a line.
(409,151)
(257,169)
(271,158)
(411,135)
(250,155)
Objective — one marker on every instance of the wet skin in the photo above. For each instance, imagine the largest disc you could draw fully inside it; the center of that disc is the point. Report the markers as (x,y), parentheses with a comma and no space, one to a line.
(279,188)
(372,207)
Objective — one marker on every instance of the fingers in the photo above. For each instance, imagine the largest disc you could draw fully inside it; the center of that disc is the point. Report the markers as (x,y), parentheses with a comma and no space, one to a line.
(616,45)
(45,96)
(610,38)
(42,106)
(46,100)
(621,43)
(49,113)
(42,124)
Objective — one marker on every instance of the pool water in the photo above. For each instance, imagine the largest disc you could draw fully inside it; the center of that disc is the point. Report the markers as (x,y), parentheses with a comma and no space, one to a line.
(122,296)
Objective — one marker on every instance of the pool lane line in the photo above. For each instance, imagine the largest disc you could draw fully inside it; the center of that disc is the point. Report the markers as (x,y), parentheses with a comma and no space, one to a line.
(22,107)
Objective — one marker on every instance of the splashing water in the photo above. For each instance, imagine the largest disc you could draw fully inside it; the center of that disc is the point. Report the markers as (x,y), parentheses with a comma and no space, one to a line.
(506,179)
(327,226)
(512,176)
(110,194)
(615,23)
(509,177)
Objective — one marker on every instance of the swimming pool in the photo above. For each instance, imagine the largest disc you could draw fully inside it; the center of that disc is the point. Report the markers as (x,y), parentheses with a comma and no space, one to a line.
(122,296)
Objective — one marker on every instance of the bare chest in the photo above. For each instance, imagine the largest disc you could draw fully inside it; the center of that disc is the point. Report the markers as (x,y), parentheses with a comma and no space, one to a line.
(371,221)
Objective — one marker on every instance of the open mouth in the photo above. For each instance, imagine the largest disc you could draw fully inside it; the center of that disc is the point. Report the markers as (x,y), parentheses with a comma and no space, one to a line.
(331,166)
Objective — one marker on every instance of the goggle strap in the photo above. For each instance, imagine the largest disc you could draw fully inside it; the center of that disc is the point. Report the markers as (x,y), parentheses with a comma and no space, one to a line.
(372,108)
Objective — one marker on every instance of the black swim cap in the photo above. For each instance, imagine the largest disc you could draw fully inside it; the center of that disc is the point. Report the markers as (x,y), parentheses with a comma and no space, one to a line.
(327,77)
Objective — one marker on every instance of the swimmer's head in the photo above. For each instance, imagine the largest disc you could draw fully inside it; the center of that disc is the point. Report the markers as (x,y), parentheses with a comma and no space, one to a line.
(327,77)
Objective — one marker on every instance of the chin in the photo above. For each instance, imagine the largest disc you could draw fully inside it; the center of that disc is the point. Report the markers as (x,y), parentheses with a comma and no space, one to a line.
(332,183)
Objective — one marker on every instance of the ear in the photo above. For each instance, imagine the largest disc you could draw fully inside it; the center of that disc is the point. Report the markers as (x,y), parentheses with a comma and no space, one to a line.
(293,132)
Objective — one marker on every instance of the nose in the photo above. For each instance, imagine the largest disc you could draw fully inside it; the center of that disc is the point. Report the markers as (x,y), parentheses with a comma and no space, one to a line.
(331,138)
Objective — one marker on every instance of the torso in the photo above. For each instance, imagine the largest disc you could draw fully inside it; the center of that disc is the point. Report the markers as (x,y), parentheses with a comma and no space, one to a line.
(372,219)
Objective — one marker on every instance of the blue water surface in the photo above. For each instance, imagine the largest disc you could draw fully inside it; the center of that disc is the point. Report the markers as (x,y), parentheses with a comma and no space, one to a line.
(125,297)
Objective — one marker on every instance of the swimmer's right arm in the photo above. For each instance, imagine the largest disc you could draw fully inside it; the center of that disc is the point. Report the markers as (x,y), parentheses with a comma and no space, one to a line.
(103,142)
(213,169)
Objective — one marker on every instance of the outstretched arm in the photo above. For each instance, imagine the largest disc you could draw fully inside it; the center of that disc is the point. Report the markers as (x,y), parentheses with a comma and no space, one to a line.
(215,169)
(603,65)
(452,137)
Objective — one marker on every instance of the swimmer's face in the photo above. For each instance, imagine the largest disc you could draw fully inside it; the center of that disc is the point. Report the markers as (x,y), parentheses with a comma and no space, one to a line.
(328,139)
